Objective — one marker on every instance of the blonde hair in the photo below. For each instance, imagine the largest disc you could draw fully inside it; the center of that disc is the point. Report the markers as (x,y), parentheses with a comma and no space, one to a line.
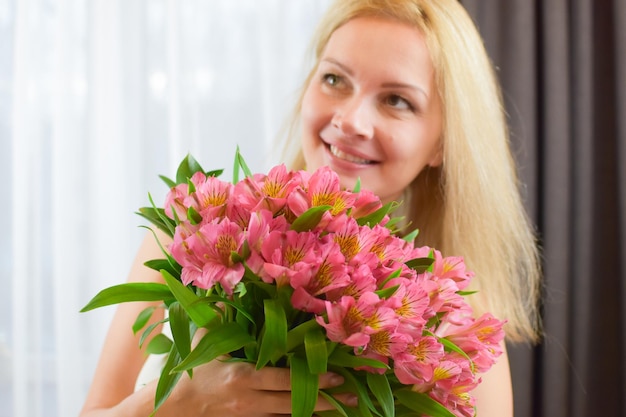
(470,206)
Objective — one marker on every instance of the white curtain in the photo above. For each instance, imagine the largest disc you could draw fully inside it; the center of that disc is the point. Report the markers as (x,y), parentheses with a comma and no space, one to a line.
(97,98)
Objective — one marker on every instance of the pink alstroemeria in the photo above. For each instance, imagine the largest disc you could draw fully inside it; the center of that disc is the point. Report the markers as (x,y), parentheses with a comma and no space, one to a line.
(261,224)
(383,345)
(351,321)
(410,302)
(443,295)
(323,190)
(361,281)
(268,192)
(347,233)
(175,200)
(365,204)
(288,254)
(416,365)
(277,186)
(206,256)
(480,338)
(331,274)
(452,388)
(210,197)
(452,267)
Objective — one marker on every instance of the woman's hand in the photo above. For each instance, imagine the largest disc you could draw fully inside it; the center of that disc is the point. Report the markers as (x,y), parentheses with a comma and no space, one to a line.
(222,388)
(234,389)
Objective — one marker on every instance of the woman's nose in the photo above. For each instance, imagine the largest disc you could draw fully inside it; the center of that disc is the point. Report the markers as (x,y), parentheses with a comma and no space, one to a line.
(354,117)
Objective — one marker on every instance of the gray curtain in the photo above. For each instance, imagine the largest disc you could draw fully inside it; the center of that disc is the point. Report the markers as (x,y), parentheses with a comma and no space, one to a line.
(562,65)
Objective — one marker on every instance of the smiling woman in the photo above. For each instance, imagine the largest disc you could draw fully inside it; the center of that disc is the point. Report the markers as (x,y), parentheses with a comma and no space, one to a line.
(96,99)
(382,113)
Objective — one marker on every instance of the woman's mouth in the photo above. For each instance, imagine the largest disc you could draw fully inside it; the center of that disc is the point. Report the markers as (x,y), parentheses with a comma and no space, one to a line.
(336,152)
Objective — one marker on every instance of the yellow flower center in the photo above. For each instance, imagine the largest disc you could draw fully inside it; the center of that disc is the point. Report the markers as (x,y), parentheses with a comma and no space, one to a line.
(293,255)
(273,189)
(225,245)
(349,245)
(380,343)
(214,200)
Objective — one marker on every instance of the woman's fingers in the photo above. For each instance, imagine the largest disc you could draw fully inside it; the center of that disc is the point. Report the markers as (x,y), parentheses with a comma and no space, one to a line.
(330,380)
(278,379)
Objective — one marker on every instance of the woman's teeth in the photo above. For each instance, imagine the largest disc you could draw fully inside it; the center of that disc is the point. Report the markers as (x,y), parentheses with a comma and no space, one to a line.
(347,157)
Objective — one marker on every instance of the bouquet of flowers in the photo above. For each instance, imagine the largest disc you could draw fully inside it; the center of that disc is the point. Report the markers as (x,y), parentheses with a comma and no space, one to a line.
(287,269)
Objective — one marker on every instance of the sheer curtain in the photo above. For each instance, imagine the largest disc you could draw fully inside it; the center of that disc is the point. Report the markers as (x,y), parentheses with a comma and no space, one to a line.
(97,98)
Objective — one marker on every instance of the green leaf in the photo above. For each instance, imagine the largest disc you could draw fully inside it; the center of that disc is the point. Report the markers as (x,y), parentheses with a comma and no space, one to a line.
(215,299)
(157,217)
(304,388)
(149,330)
(240,164)
(159,264)
(316,354)
(309,219)
(174,267)
(193,216)
(167,181)
(466,293)
(142,319)
(215,173)
(274,341)
(187,168)
(379,385)
(422,403)
(167,380)
(451,346)
(159,344)
(411,236)
(394,274)
(420,264)
(357,186)
(376,217)
(387,292)
(338,405)
(295,336)
(131,291)
(200,313)
(340,357)
(353,384)
(220,340)
(179,325)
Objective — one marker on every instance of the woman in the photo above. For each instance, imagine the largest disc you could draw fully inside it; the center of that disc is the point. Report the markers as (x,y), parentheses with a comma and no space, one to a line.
(402,96)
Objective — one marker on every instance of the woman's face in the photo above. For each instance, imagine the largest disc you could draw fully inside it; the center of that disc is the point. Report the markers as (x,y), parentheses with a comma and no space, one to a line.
(371,110)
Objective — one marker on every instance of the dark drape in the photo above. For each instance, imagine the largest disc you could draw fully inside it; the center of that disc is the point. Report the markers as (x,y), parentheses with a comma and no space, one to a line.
(562,65)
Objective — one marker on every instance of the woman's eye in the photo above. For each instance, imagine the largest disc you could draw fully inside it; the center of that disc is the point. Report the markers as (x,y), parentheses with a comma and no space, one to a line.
(398,102)
(331,79)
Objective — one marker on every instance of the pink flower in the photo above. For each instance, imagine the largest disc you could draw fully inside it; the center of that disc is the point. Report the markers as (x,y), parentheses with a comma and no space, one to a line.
(175,200)
(210,197)
(288,255)
(454,391)
(347,234)
(384,344)
(323,190)
(443,295)
(206,256)
(480,338)
(361,281)
(267,192)
(452,267)
(365,204)
(331,274)
(417,364)
(410,304)
(351,321)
